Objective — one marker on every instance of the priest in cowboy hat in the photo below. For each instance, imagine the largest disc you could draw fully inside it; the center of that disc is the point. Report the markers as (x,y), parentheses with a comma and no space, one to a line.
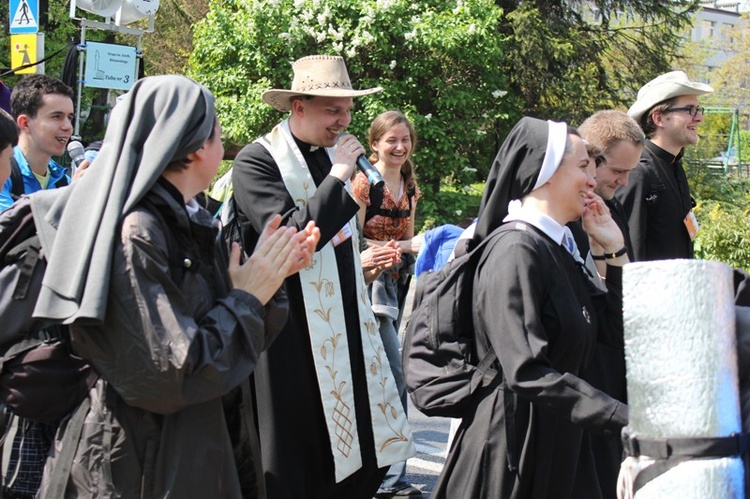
(657,198)
(329,414)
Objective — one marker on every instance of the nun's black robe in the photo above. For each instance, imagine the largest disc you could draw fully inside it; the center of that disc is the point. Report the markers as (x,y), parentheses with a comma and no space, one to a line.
(525,438)
(297,457)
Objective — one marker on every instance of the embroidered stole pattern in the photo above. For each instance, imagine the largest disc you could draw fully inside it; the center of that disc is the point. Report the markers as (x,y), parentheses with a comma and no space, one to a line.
(327,328)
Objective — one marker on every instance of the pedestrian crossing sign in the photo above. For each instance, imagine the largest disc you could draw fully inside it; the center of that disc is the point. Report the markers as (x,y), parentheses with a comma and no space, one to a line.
(24,15)
(23,51)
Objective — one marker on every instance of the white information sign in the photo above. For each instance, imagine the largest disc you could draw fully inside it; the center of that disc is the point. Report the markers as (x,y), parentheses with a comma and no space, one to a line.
(109,66)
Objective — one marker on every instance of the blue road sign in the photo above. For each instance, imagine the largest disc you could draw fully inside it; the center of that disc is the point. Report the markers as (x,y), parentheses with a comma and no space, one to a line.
(24,16)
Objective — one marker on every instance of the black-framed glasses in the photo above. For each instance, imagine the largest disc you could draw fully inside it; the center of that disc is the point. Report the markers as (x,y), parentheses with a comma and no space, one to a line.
(692,110)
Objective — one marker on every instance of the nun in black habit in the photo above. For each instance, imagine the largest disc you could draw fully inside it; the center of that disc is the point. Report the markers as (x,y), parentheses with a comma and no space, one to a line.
(525,435)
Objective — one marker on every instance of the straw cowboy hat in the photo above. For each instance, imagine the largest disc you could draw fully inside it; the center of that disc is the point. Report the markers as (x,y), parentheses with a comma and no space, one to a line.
(661,88)
(317,75)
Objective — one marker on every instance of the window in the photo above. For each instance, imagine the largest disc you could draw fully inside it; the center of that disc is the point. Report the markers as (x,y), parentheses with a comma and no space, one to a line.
(708,29)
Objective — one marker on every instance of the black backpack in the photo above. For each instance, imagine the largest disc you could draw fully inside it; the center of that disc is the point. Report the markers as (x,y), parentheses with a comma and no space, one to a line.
(40,377)
(439,359)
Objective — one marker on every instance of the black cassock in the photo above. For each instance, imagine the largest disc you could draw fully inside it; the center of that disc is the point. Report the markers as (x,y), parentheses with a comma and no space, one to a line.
(657,200)
(607,369)
(526,437)
(297,458)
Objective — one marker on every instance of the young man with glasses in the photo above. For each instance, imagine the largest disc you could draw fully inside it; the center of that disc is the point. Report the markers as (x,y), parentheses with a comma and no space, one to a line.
(657,198)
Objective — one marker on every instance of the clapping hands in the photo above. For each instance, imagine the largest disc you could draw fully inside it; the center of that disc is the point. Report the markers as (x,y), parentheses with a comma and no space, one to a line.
(280,252)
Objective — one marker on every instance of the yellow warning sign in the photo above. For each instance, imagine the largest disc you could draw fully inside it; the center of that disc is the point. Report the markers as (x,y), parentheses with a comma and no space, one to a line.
(23,52)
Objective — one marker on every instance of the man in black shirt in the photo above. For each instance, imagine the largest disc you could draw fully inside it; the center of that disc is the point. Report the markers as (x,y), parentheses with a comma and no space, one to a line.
(620,140)
(657,199)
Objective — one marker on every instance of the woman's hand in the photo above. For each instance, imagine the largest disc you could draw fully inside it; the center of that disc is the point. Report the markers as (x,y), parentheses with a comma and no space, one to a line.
(381,257)
(377,258)
(601,228)
(280,252)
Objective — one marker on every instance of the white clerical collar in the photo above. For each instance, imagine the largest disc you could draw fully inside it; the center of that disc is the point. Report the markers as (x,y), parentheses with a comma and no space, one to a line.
(534,217)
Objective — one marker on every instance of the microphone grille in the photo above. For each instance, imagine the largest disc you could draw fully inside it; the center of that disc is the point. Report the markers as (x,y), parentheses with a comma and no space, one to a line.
(75,147)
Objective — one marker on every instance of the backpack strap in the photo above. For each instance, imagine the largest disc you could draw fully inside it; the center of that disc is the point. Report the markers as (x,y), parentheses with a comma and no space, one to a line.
(376,201)
(31,249)
(16,178)
(71,436)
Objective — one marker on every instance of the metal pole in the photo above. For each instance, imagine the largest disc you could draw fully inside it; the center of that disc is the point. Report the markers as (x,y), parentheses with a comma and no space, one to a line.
(81,55)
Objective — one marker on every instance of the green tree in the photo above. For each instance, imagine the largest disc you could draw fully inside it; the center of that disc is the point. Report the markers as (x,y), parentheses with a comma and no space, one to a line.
(570,59)
(167,50)
(440,62)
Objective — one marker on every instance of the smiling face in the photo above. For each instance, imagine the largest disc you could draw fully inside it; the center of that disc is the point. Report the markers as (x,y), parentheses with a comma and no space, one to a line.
(619,161)
(677,129)
(394,146)
(572,184)
(319,121)
(48,132)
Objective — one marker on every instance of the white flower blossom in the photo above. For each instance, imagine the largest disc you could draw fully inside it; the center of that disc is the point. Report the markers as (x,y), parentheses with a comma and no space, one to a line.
(336,34)
(411,35)
(499,93)
(459,213)
(481,132)
(392,65)
(306,15)
(472,29)
(428,116)
(385,4)
(469,169)
(320,36)
(351,52)
(367,37)
(298,4)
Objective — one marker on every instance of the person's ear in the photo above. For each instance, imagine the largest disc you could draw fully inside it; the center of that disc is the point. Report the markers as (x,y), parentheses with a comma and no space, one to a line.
(298,107)
(656,117)
(23,122)
(196,155)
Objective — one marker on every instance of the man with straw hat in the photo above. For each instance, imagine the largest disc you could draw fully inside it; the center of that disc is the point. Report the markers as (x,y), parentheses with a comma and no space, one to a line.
(657,198)
(329,415)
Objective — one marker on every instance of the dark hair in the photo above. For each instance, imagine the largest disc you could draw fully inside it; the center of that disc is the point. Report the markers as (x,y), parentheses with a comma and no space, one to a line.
(299,97)
(647,120)
(28,94)
(182,163)
(380,125)
(8,130)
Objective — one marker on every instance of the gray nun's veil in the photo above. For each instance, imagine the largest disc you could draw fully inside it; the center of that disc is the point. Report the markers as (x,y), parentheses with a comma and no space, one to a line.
(161,119)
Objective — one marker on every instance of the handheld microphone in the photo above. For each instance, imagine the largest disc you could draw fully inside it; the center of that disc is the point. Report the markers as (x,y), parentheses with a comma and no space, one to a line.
(76,153)
(373,176)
